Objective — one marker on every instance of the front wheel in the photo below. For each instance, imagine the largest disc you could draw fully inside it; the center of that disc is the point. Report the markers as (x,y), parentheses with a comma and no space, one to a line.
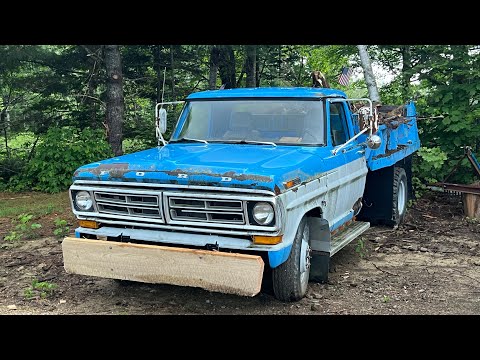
(400,196)
(290,279)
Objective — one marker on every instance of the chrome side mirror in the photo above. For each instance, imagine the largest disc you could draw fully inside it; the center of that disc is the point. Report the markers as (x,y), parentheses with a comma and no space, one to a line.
(374,142)
(162,120)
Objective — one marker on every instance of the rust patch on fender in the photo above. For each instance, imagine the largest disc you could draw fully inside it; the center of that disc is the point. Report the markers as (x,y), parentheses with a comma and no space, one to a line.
(277,190)
(114,170)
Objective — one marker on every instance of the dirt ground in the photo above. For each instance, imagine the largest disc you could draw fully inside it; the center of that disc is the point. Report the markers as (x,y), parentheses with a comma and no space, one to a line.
(429,265)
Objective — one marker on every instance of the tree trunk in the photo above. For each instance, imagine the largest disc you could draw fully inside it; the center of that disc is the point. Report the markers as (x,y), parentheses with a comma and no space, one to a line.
(172,65)
(257,70)
(368,73)
(406,75)
(115,100)
(4,123)
(212,79)
(279,61)
(226,66)
(251,65)
(159,74)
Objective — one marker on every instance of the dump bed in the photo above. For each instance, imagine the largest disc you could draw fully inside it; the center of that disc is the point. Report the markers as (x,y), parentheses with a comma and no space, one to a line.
(397,127)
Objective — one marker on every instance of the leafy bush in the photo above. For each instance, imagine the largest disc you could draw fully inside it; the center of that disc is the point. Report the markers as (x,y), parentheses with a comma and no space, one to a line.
(61,228)
(10,167)
(61,152)
(431,163)
(23,229)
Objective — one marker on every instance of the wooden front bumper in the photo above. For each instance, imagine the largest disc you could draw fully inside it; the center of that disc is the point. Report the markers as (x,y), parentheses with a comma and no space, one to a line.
(211,270)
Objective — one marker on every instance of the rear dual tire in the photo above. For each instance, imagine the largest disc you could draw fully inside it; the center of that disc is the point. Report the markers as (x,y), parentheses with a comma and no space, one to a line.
(400,196)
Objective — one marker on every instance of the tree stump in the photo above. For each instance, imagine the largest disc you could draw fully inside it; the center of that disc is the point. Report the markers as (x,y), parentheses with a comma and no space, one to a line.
(471,204)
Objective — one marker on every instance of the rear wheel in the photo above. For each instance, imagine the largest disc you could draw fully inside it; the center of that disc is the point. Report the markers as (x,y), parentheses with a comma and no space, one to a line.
(290,279)
(400,196)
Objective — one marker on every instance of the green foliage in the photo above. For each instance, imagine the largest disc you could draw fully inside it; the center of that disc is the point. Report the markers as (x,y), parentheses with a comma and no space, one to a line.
(61,228)
(444,81)
(61,152)
(46,88)
(41,289)
(431,164)
(24,228)
(360,248)
(386,299)
(10,167)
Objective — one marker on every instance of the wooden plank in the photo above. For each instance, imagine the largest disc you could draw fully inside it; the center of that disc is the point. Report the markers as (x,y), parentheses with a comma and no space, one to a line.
(471,205)
(231,273)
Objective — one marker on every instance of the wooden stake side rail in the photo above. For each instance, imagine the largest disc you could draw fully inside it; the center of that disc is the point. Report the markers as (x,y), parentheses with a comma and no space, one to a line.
(231,273)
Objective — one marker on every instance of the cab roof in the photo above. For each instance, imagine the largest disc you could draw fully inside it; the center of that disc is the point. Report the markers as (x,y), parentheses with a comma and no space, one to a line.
(268,92)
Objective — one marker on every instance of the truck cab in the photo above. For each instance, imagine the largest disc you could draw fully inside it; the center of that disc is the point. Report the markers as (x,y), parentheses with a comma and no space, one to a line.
(249,178)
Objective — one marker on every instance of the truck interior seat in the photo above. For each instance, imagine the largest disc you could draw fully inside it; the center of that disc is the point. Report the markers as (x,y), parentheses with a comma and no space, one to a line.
(241,123)
(313,128)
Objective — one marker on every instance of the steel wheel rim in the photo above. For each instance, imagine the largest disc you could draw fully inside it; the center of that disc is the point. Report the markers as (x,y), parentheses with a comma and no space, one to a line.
(305,258)
(402,197)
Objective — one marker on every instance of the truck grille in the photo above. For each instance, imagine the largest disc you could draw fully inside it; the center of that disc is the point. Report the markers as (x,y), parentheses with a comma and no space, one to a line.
(206,210)
(128,204)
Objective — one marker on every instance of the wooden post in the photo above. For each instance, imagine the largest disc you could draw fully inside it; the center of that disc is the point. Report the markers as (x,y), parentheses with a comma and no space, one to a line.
(471,205)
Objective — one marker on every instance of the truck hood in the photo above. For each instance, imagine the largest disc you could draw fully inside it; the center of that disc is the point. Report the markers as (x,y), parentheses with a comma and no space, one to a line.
(251,166)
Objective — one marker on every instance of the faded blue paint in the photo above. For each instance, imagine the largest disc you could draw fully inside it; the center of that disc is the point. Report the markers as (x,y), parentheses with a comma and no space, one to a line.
(276,258)
(267,92)
(342,221)
(397,143)
(249,166)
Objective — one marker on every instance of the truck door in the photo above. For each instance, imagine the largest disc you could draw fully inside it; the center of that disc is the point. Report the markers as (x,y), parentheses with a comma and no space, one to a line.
(348,181)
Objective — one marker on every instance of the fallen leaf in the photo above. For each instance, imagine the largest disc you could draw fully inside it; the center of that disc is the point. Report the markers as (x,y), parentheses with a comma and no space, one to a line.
(12,307)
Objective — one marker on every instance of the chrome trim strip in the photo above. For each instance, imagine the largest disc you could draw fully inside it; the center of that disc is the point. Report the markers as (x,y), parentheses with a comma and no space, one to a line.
(174,186)
(244,231)
(174,238)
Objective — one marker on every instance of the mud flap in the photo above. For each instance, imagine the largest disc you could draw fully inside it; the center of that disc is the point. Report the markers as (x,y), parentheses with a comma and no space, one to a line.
(320,245)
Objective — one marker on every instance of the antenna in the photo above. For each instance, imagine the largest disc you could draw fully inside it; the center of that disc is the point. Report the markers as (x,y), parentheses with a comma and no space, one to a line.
(157,123)
(163,86)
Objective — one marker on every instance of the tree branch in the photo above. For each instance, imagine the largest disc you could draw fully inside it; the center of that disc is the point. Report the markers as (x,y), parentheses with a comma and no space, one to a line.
(91,97)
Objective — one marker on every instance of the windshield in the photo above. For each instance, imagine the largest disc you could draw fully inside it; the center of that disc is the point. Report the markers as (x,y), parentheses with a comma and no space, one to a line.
(254,121)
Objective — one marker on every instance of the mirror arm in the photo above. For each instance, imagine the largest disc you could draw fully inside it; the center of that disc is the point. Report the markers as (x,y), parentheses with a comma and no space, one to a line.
(159,106)
(159,133)
(336,150)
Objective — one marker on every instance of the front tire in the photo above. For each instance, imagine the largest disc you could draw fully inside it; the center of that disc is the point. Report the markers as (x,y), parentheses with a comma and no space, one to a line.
(290,279)
(400,196)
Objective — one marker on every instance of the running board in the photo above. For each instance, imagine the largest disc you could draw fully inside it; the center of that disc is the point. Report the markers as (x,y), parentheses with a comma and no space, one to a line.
(346,235)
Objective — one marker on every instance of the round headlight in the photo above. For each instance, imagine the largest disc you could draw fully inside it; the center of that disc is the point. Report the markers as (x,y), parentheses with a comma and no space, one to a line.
(263,213)
(83,200)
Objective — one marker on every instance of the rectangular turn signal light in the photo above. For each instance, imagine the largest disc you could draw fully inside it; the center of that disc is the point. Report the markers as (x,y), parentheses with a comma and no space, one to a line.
(267,240)
(89,224)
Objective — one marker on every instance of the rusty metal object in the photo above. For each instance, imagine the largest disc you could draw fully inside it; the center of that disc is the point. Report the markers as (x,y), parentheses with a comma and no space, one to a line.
(468,189)
(473,160)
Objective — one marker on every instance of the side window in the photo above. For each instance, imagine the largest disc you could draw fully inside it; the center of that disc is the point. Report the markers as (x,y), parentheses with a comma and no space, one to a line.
(338,124)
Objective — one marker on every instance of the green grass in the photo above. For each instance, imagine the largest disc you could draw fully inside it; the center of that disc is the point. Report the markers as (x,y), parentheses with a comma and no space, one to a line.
(37,204)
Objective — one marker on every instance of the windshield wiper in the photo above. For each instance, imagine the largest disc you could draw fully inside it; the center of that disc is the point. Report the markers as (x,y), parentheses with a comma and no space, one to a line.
(186,139)
(255,142)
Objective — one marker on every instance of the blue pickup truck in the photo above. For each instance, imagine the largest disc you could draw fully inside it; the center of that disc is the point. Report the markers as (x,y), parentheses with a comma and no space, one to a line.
(250,178)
